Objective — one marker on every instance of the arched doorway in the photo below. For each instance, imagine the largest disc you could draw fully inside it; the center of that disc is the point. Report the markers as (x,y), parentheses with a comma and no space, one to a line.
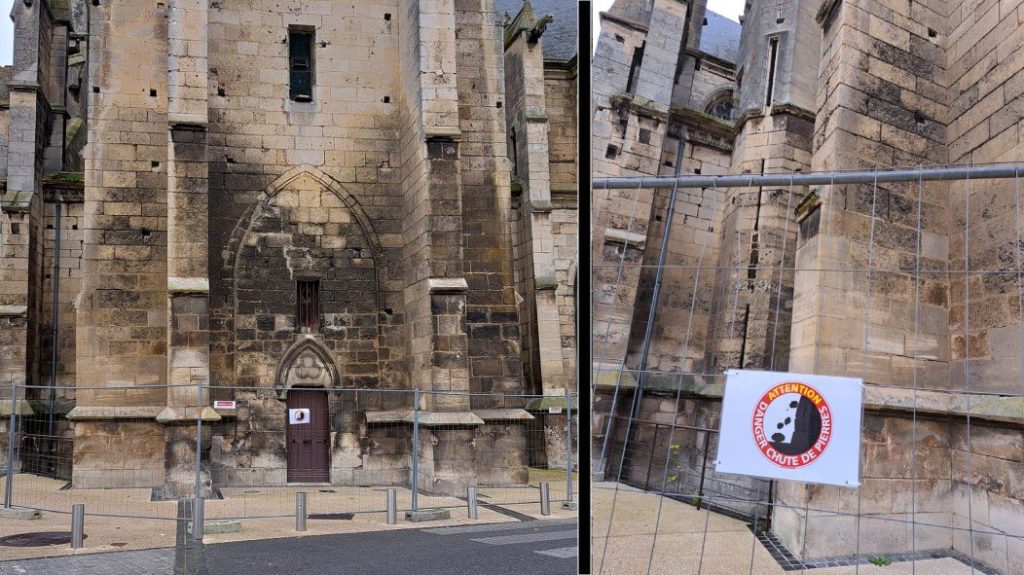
(306,377)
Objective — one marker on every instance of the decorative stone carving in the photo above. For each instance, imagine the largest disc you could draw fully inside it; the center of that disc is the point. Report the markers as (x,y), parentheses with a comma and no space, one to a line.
(307,363)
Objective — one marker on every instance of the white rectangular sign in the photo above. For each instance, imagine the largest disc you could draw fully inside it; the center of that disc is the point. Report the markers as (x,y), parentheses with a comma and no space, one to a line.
(791,426)
(298,416)
(223,405)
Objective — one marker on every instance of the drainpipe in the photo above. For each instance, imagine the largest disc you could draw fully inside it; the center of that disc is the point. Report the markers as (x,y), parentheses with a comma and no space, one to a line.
(659,273)
(55,328)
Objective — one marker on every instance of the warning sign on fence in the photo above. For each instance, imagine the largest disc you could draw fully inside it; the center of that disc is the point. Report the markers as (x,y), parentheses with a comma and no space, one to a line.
(791,426)
(298,416)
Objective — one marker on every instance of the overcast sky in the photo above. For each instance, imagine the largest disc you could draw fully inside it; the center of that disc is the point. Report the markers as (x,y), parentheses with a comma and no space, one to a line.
(6,32)
(728,8)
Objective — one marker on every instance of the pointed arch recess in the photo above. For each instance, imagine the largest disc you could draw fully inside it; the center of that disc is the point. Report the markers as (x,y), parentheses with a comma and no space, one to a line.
(244,225)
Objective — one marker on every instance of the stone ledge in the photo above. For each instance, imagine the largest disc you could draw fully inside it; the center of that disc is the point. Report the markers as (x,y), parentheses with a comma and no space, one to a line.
(614,236)
(187,121)
(426,418)
(188,285)
(503,414)
(447,285)
(543,403)
(81,413)
(607,376)
(442,133)
(176,414)
(987,407)
(545,282)
(13,310)
(24,408)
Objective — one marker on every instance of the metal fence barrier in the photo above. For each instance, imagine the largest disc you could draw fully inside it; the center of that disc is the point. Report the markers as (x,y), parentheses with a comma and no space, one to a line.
(386,451)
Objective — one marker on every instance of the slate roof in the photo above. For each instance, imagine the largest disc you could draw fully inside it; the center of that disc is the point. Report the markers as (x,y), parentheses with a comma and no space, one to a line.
(559,38)
(720,37)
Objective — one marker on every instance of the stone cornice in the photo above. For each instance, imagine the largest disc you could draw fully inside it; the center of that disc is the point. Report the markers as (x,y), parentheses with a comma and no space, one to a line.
(781,109)
(641,106)
(787,109)
(706,122)
(991,408)
(424,418)
(447,285)
(623,21)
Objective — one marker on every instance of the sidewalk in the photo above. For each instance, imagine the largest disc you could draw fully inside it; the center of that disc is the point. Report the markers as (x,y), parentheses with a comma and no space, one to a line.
(692,541)
(265,513)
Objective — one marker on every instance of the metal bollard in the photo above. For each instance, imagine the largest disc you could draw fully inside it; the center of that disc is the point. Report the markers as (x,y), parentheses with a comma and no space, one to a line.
(471,502)
(545,498)
(300,511)
(198,523)
(77,525)
(392,506)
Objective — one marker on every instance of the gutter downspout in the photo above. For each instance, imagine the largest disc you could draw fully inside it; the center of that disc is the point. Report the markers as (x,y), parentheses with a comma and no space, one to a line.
(55,328)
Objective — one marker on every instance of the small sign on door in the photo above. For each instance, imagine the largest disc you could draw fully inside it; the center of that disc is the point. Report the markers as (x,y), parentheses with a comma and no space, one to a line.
(298,416)
(223,404)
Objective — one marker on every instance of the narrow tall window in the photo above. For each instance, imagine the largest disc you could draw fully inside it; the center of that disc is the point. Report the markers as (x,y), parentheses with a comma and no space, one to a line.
(300,64)
(773,57)
(309,305)
(515,153)
(634,68)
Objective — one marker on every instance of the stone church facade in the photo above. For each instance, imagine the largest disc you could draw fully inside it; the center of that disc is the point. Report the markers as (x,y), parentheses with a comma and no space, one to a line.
(272,197)
(802,86)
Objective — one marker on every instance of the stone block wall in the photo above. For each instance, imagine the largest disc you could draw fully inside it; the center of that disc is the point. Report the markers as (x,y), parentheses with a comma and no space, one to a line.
(688,288)
(122,317)
(305,232)
(337,152)
(5,117)
(492,320)
(630,125)
(70,270)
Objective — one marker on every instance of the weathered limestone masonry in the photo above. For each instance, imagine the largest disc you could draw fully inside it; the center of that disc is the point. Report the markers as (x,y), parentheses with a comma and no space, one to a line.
(213,195)
(857,85)
(123,306)
(33,142)
(727,246)
(544,236)
(630,121)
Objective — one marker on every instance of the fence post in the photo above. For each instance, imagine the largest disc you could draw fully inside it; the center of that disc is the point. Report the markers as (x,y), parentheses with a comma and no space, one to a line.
(11,438)
(197,514)
(77,525)
(703,468)
(545,498)
(568,446)
(415,448)
(300,511)
(392,506)
(471,502)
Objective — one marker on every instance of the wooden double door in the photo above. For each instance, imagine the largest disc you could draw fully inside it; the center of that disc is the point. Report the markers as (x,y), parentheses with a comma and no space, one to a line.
(308,436)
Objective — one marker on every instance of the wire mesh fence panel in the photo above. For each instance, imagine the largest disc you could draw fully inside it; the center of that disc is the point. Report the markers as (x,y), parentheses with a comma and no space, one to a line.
(906,280)
(265,461)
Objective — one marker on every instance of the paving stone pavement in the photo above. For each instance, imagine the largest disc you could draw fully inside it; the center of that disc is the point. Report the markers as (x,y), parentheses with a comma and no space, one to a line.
(145,562)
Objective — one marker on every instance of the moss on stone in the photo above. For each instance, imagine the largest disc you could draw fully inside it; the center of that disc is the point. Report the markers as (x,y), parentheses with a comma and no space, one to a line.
(65,178)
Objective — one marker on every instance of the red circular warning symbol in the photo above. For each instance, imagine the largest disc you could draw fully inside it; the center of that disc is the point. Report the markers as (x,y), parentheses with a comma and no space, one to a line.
(792,424)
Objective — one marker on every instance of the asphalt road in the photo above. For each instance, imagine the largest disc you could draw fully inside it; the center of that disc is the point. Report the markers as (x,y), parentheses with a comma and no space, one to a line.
(522,548)
(498,550)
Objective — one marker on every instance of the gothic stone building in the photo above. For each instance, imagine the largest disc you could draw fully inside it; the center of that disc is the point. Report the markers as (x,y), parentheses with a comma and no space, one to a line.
(234,200)
(818,85)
